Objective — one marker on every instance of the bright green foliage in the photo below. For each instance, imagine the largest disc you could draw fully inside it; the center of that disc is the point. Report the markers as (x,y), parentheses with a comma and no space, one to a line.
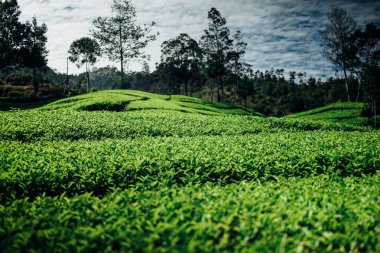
(126,100)
(73,168)
(73,125)
(348,113)
(317,214)
(96,173)
(106,101)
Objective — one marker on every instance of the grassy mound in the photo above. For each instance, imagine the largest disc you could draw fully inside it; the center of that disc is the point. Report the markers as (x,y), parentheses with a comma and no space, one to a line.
(130,100)
(349,113)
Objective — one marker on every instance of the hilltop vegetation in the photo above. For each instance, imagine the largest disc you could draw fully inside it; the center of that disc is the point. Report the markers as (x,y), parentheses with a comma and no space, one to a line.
(131,114)
(129,100)
(180,174)
(349,113)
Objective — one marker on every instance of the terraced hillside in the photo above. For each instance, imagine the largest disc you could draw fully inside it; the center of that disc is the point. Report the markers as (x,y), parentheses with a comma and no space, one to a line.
(99,173)
(348,113)
(129,100)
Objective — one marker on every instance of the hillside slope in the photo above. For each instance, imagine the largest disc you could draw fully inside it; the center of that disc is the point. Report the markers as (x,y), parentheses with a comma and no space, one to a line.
(84,174)
(131,100)
(349,113)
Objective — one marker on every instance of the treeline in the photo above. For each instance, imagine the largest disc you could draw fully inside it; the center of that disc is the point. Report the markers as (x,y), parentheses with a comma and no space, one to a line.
(214,67)
(269,92)
(22,45)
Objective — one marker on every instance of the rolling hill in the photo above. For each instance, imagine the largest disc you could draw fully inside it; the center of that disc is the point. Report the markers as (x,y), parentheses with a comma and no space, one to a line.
(128,171)
(131,100)
(348,113)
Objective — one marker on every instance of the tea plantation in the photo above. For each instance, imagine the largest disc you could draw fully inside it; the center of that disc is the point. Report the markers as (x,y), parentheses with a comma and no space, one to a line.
(127,171)
(348,113)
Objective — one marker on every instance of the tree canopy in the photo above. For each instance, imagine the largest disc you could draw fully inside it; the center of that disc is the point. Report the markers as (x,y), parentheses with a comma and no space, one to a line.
(120,37)
(339,47)
(84,51)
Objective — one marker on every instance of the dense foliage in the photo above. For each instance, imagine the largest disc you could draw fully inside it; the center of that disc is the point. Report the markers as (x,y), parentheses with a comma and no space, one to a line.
(58,167)
(307,215)
(71,125)
(78,176)
(21,44)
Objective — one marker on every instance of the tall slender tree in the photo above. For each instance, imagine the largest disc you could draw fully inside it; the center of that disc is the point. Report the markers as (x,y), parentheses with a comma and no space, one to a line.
(120,37)
(84,51)
(34,50)
(339,46)
(236,65)
(368,42)
(216,44)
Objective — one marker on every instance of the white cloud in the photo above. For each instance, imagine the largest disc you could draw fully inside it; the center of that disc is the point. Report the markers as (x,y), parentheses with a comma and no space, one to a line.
(280,33)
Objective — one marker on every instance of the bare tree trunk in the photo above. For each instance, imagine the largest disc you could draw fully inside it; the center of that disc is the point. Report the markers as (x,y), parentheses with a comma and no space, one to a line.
(1,60)
(221,89)
(235,91)
(35,84)
(121,57)
(87,78)
(218,90)
(358,95)
(212,90)
(186,88)
(346,82)
(88,81)
(67,78)
(191,88)
(374,102)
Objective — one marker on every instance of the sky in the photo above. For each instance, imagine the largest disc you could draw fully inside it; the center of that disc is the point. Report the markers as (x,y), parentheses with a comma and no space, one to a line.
(280,34)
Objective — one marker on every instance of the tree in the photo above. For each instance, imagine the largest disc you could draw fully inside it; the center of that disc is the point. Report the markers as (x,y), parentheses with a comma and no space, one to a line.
(120,37)
(238,67)
(12,34)
(21,44)
(168,75)
(184,54)
(245,87)
(84,51)
(34,51)
(216,45)
(368,43)
(371,80)
(339,46)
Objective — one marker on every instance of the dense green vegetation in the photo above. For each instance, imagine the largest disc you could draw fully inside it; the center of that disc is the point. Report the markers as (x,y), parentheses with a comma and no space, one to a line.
(305,215)
(61,167)
(77,175)
(129,100)
(349,113)
(72,125)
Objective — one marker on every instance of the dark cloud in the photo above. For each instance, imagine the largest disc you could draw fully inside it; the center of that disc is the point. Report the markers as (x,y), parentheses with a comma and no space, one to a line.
(68,8)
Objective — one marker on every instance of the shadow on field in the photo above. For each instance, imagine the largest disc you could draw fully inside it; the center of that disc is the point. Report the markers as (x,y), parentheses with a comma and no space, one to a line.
(23,104)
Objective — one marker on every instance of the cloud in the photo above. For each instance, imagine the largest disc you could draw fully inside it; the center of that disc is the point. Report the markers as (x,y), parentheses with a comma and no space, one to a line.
(280,33)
